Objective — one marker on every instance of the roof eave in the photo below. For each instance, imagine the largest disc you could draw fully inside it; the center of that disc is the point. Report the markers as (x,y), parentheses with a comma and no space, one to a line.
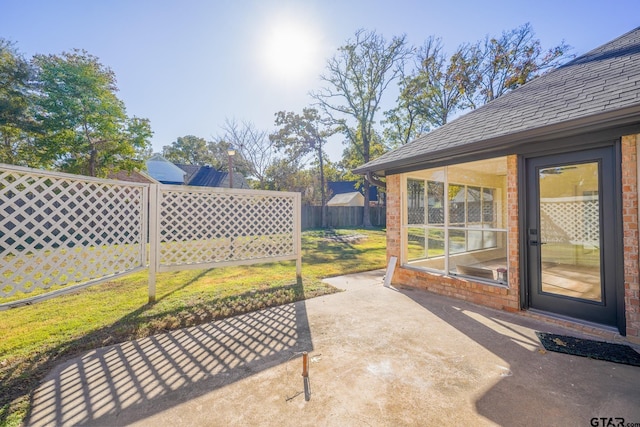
(608,120)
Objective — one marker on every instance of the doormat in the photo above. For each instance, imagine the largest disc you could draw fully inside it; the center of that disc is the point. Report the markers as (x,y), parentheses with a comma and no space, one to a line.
(618,353)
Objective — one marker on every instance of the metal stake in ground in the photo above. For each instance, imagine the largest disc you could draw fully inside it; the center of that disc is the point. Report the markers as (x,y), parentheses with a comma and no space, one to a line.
(305,364)
(305,376)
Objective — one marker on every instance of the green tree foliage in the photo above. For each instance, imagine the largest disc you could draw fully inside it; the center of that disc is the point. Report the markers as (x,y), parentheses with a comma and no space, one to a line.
(286,175)
(86,129)
(511,60)
(17,124)
(407,121)
(351,157)
(190,150)
(357,76)
(301,135)
(436,89)
(475,74)
(351,160)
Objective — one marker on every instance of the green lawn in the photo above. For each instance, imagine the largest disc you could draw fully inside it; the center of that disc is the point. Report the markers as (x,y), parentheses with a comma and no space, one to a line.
(35,338)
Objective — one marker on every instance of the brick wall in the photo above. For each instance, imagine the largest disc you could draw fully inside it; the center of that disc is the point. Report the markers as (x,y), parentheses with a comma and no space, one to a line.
(394,217)
(630,230)
(513,228)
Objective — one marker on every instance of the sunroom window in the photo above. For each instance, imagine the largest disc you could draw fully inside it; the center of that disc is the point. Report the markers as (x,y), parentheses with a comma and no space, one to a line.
(455,220)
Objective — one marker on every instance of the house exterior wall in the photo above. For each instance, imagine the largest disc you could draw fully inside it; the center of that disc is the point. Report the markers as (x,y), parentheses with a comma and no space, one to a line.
(508,297)
(495,296)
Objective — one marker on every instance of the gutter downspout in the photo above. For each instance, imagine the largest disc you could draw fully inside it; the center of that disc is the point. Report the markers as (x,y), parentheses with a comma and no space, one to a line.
(375,181)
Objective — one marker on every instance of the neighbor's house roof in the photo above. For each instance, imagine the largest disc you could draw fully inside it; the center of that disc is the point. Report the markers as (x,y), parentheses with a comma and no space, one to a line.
(132,176)
(202,176)
(167,172)
(190,170)
(164,171)
(207,176)
(595,92)
(339,187)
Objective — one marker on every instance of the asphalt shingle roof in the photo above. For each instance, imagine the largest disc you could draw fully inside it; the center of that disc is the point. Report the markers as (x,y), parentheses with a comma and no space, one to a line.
(202,176)
(600,87)
(207,177)
(191,170)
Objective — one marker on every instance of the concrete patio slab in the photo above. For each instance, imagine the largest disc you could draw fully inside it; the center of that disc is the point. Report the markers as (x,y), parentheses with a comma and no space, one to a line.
(377,356)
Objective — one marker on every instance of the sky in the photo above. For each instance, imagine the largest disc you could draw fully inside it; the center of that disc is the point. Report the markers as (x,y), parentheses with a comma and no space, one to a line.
(190,65)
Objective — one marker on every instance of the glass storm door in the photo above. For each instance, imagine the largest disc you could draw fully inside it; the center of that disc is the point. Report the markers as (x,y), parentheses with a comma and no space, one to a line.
(571,235)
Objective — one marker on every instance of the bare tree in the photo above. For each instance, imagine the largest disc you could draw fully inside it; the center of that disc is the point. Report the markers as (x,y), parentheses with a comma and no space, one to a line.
(253,145)
(357,76)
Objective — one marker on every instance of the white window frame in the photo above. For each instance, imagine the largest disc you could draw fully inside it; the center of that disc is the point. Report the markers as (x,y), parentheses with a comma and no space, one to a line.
(500,218)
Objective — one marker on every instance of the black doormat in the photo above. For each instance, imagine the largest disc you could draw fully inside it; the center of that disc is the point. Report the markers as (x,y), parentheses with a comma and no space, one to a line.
(618,353)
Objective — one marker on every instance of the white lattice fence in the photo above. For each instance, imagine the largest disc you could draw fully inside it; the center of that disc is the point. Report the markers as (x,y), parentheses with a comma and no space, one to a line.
(574,219)
(67,231)
(200,227)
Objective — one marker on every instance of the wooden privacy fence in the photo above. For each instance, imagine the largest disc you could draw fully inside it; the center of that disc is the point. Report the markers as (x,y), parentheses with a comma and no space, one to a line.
(66,232)
(342,216)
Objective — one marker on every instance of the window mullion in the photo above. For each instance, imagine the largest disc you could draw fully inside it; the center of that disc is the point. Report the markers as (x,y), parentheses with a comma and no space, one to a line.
(446,219)
(466,218)
(425,218)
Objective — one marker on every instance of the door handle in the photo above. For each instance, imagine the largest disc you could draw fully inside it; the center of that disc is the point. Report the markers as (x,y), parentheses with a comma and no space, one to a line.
(536,243)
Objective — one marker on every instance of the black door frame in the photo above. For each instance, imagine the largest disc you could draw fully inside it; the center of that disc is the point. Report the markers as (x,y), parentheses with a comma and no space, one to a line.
(616,264)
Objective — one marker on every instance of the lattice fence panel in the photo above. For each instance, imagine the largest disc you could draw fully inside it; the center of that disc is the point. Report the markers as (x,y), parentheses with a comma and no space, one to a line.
(211,226)
(59,229)
(571,220)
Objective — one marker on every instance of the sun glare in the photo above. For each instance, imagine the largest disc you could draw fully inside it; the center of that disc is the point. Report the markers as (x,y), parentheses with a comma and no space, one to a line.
(290,51)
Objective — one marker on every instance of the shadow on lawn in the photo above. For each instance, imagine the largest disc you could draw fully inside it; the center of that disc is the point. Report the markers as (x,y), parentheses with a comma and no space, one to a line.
(332,251)
(132,376)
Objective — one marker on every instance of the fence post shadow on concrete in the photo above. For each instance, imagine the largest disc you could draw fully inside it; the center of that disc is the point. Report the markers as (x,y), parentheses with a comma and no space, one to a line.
(535,387)
(128,382)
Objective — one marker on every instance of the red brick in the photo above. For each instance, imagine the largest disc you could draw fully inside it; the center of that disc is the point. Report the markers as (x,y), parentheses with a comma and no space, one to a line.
(630,229)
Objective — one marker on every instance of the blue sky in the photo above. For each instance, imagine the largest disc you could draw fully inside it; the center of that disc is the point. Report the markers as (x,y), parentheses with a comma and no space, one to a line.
(187,65)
